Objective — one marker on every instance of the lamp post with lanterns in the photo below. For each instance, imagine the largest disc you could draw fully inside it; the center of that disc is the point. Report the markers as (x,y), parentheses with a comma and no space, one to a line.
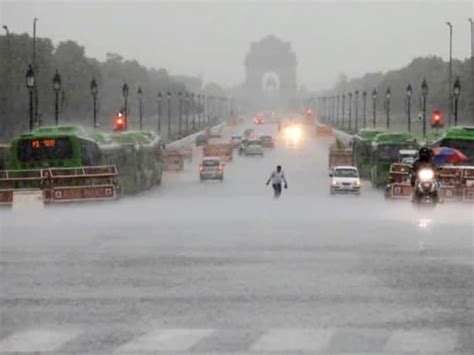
(56,88)
(356,116)
(140,107)
(424,94)
(125,104)
(168,105)
(387,103)
(94,91)
(364,108)
(374,107)
(456,93)
(30,85)
(159,100)
(409,92)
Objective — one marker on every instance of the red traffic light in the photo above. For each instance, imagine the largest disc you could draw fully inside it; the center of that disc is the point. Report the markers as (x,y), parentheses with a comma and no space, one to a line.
(120,121)
(437,119)
(309,111)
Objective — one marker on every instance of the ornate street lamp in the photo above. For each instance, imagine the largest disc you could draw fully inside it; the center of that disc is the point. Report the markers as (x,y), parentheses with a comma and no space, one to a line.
(374,107)
(387,97)
(409,92)
(424,94)
(57,89)
(30,85)
(94,91)
(456,93)
(125,104)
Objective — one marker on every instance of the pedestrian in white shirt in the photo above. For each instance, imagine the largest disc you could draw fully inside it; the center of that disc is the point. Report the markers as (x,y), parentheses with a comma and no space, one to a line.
(276,178)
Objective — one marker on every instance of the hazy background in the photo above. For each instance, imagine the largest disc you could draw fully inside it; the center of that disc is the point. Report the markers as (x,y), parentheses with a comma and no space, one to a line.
(211,38)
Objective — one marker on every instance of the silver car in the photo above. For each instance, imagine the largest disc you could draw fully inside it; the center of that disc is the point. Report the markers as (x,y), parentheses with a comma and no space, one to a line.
(211,168)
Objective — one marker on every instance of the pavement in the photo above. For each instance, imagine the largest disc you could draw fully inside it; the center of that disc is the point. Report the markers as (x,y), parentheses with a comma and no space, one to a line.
(224,268)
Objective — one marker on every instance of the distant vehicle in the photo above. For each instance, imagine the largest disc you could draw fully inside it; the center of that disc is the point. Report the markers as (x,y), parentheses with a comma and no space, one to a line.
(267,141)
(201,139)
(253,149)
(259,119)
(211,168)
(249,133)
(235,141)
(344,179)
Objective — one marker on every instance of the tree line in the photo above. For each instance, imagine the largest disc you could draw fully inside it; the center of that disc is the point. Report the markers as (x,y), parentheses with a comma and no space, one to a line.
(75,97)
(433,69)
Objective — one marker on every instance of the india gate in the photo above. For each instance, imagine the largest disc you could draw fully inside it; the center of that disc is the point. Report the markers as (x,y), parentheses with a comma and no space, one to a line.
(270,75)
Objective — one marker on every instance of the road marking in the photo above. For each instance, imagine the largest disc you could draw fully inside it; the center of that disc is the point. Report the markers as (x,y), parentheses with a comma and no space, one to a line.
(437,341)
(293,340)
(36,340)
(167,340)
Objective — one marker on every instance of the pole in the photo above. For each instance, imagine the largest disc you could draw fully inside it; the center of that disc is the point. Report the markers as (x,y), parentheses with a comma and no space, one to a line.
(374,111)
(343,111)
(56,107)
(94,108)
(35,68)
(32,119)
(455,110)
(409,113)
(364,103)
(169,114)
(424,115)
(159,113)
(350,112)
(7,78)
(388,113)
(472,70)
(450,92)
(180,113)
(356,110)
(193,108)
(187,113)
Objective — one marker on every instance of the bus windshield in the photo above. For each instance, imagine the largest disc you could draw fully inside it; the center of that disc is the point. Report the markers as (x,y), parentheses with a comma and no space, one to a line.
(44,149)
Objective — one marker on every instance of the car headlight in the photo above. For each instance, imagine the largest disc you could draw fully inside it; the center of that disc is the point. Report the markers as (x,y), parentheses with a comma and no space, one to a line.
(426,174)
(357,183)
(334,183)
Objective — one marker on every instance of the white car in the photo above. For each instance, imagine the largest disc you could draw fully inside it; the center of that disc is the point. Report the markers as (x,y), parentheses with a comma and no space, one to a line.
(344,179)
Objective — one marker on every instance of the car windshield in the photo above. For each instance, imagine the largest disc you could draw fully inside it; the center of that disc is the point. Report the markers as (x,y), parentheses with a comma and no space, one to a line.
(164,225)
(347,173)
(210,163)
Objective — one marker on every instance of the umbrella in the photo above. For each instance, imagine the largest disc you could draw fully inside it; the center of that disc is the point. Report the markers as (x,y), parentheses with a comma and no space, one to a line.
(447,155)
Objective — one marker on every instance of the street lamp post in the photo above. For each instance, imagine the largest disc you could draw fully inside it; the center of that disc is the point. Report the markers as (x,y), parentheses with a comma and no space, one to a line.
(56,88)
(338,112)
(7,102)
(350,112)
(187,113)
(409,92)
(472,69)
(364,108)
(450,93)
(356,98)
(343,111)
(387,97)
(140,107)
(374,107)
(159,98)
(168,105)
(180,113)
(193,107)
(456,93)
(94,101)
(125,104)
(30,85)
(424,94)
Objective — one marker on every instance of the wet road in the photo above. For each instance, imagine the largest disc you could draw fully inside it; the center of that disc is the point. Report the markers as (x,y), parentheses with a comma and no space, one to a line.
(216,268)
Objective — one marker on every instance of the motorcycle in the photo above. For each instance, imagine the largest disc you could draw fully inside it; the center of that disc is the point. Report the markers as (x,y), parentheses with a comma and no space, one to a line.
(426,188)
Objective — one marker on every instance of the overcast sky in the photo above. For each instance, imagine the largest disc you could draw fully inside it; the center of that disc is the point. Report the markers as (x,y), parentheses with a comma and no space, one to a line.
(211,38)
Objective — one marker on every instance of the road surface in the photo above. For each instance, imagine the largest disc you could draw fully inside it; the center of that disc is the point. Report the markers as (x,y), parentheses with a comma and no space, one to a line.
(223,268)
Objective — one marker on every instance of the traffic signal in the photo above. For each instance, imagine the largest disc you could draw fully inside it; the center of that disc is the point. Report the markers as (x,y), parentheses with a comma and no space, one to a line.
(309,112)
(437,119)
(120,121)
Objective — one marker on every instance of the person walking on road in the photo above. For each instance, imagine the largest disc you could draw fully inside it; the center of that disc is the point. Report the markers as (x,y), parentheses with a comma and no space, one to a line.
(276,178)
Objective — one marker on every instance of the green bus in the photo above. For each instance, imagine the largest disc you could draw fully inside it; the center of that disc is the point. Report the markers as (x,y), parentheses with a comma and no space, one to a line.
(461,138)
(362,150)
(385,151)
(136,155)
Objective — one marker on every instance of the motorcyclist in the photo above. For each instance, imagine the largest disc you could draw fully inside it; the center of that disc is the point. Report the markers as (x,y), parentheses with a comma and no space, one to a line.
(425,161)
(277,177)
